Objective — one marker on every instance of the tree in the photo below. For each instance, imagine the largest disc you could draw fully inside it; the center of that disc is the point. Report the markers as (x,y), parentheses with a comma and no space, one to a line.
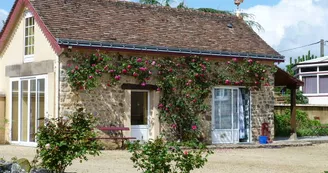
(248,18)
(182,5)
(156,2)
(151,2)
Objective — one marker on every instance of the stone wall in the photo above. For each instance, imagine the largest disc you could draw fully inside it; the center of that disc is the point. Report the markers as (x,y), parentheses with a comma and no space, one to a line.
(112,105)
(262,111)
(106,103)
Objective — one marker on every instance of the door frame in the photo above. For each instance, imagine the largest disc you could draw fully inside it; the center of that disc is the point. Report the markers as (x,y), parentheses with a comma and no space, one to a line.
(146,127)
(19,79)
(250,112)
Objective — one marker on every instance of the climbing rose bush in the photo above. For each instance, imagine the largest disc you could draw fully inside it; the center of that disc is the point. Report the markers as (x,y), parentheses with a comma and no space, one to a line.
(65,139)
(159,156)
(184,83)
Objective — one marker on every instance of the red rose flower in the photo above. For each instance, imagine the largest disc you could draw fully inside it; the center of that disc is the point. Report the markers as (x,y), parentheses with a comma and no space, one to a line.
(118,77)
(139,60)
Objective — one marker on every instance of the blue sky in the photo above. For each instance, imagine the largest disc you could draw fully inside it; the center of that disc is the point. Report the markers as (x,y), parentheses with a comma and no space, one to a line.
(217,4)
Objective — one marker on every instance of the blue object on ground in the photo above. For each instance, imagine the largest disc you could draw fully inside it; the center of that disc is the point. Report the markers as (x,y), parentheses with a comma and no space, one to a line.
(263,139)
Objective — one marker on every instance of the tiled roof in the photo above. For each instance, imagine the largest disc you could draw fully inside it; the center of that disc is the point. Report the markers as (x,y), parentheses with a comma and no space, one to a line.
(132,23)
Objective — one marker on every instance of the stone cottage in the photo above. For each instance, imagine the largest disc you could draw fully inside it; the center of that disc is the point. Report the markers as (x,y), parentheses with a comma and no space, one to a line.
(33,62)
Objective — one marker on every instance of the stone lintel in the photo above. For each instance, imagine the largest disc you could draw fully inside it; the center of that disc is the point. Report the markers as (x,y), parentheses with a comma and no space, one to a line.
(30,69)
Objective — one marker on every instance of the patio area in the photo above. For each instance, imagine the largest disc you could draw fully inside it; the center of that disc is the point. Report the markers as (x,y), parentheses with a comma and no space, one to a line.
(303,159)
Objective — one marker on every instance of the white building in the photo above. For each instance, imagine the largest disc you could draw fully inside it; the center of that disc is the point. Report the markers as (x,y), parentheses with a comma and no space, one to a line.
(314,74)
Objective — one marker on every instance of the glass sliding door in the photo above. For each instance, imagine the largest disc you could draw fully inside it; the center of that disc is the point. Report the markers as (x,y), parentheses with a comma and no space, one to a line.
(230,115)
(28,108)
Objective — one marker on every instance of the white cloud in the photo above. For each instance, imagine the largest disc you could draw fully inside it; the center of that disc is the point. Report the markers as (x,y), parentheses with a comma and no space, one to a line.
(293,23)
(3,17)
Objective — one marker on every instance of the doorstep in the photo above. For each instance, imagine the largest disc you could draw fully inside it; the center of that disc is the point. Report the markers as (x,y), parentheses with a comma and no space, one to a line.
(280,144)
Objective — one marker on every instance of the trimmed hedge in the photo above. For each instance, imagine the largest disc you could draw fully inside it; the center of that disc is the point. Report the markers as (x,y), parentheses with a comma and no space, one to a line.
(305,126)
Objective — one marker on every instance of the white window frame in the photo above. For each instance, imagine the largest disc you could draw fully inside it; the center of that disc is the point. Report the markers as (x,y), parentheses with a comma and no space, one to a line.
(318,84)
(28,58)
(19,79)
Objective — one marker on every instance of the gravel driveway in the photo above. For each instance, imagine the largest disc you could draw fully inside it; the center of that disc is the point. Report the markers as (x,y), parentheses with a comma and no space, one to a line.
(311,159)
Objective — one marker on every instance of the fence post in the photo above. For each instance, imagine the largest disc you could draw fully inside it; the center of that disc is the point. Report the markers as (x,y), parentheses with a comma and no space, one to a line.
(2,118)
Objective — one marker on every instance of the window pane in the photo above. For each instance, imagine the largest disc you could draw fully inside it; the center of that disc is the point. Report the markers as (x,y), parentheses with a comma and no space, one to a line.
(323,84)
(27,22)
(24,111)
(28,40)
(14,121)
(30,21)
(32,50)
(309,69)
(235,109)
(26,32)
(139,108)
(310,85)
(223,109)
(29,31)
(323,68)
(41,102)
(32,110)
(26,50)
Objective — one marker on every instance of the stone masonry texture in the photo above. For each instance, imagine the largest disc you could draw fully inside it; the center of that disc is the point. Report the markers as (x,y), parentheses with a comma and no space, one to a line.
(111,106)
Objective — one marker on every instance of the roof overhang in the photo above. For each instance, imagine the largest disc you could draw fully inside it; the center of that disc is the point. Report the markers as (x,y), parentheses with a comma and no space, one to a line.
(11,22)
(159,49)
(282,78)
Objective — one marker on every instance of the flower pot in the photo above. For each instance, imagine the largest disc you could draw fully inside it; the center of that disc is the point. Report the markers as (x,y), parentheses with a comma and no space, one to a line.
(263,139)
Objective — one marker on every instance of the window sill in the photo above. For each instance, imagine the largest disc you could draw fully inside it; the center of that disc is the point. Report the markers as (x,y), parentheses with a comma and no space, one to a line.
(29,58)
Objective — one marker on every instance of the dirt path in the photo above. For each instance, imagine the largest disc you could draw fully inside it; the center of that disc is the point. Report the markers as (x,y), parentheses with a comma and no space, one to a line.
(313,159)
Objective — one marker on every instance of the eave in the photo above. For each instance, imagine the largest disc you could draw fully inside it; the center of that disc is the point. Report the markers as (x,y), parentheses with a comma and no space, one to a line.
(158,49)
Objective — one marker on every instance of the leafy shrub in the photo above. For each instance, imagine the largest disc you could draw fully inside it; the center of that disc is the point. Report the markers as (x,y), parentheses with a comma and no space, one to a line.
(305,126)
(168,157)
(67,138)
